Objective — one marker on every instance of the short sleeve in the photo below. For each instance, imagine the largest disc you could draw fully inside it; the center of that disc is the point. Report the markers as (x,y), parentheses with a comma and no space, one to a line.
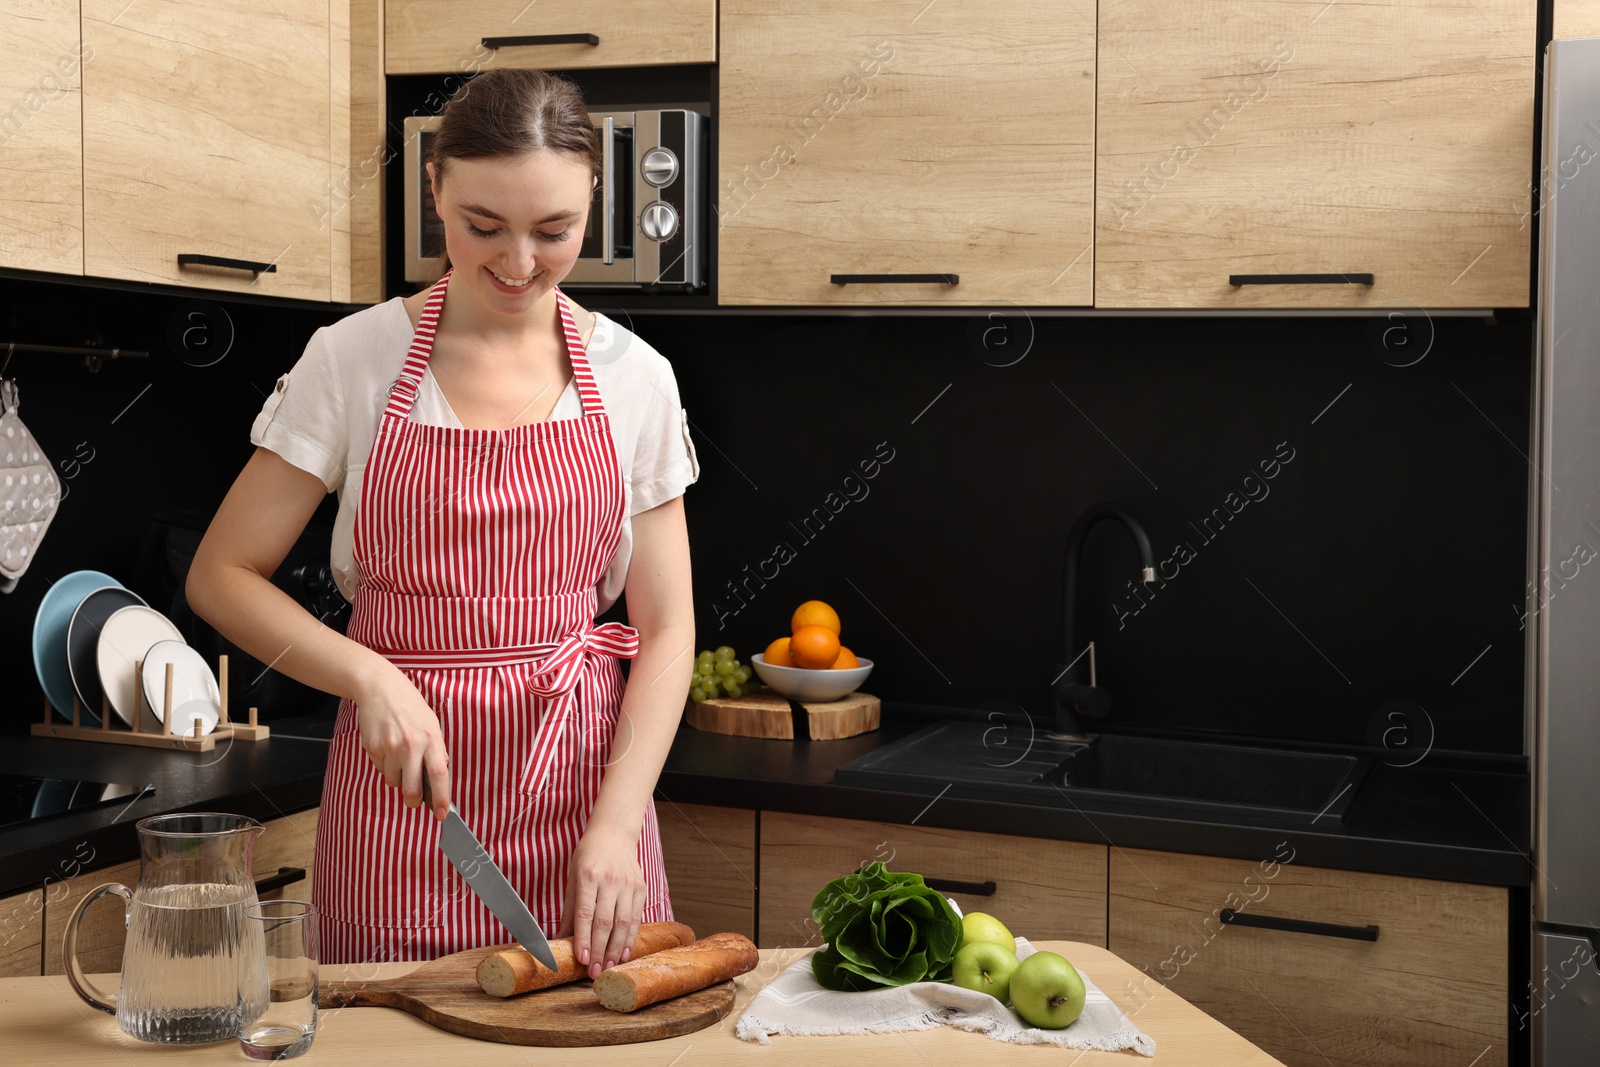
(664,460)
(303,421)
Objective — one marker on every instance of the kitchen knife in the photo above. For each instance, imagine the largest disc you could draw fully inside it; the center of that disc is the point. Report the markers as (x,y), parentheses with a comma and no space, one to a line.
(469,857)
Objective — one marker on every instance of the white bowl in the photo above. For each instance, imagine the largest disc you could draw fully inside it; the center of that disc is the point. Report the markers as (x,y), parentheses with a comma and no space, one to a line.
(799,683)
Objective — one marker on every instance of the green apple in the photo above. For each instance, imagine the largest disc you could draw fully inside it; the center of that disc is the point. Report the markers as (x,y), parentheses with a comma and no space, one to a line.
(1047,991)
(985,966)
(981,926)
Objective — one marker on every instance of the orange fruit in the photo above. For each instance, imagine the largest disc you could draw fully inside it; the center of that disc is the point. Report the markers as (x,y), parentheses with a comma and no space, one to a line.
(814,613)
(846,660)
(777,653)
(814,647)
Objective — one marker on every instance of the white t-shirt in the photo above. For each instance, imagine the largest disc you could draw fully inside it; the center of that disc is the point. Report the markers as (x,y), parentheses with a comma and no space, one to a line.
(323,417)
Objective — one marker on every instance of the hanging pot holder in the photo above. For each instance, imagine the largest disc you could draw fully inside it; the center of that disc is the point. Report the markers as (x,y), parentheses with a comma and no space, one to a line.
(29,491)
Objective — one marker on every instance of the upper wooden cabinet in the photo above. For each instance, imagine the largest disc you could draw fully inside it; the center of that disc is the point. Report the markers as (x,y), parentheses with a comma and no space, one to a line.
(1244,139)
(952,139)
(447,37)
(41,208)
(1335,969)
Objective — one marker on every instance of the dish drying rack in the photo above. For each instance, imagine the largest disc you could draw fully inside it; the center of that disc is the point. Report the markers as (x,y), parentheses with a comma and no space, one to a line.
(136,735)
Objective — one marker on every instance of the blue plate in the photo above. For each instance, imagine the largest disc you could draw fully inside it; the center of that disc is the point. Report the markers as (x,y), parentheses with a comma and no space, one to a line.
(50,624)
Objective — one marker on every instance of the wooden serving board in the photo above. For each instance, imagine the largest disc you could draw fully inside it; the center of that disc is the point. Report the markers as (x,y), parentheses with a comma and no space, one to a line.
(766,714)
(444,993)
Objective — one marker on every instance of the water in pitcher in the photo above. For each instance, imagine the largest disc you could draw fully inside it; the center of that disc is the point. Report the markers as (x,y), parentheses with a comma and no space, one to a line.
(192,968)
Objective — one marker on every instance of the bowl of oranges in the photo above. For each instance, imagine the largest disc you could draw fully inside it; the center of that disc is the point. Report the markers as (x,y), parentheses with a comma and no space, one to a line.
(811,664)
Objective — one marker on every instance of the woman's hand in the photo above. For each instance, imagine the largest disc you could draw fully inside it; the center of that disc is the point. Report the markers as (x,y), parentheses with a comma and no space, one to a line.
(400,734)
(605,899)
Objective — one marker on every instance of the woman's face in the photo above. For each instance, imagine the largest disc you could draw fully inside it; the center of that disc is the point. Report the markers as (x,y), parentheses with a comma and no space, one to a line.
(513,225)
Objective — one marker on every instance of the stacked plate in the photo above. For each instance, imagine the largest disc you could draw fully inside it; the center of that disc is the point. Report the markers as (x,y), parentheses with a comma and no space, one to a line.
(88,638)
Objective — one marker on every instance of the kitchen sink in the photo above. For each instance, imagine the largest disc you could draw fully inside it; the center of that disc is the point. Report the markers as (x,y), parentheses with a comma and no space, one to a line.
(1013,762)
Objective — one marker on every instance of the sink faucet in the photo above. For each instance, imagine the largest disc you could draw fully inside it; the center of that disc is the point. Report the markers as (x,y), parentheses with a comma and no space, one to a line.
(1074,698)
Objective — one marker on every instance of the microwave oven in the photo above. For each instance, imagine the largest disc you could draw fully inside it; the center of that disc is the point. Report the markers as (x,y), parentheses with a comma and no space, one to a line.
(647,223)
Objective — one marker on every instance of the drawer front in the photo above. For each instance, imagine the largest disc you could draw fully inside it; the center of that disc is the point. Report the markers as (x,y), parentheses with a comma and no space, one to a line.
(288,845)
(445,37)
(22,934)
(1430,990)
(104,928)
(1041,889)
(711,866)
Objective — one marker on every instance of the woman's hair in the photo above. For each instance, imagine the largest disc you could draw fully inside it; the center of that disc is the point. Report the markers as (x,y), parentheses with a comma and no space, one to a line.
(511,112)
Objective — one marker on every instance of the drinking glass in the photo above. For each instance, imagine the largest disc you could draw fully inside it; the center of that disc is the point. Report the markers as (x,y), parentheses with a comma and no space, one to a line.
(288,931)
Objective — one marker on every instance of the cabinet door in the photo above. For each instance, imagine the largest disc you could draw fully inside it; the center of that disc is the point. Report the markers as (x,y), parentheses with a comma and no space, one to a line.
(445,37)
(22,934)
(711,866)
(1431,991)
(41,207)
(1246,139)
(1040,889)
(1576,18)
(206,132)
(104,929)
(289,842)
(874,139)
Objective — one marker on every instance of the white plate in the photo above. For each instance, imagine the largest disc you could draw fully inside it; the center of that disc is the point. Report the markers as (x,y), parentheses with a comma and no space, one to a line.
(195,696)
(127,633)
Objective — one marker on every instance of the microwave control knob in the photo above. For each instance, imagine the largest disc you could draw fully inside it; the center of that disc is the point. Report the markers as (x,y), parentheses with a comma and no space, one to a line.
(659,167)
(659,221)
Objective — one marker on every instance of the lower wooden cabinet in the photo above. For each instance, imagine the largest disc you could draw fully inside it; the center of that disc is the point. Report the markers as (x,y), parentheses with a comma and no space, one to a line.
(1430,991)
(21,934)
(287,843)
(1041,889)
(711,866)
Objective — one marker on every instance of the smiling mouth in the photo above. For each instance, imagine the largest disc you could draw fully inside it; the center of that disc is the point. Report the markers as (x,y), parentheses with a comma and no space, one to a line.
(514,283)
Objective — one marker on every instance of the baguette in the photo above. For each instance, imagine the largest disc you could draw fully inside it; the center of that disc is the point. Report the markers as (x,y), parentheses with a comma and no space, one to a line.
(675,971)
(514,970)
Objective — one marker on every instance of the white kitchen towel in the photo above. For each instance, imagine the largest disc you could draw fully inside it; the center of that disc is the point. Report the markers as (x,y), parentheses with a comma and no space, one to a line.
(794,1003)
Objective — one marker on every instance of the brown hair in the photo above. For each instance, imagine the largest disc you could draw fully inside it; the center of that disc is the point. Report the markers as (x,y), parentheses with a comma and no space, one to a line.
(512,112)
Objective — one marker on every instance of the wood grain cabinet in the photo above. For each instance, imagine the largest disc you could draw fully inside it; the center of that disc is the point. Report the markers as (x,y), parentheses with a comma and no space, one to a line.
(1575,18)
(1040,889)
(287,842)
(446,37)
(953,140)
(1428,991)
(22,934)
(206,133)
(1240,139)
(41,204)
(710,854)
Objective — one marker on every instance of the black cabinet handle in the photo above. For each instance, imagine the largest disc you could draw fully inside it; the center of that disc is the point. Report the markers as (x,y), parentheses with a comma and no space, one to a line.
(894,279)
(186,259)
(976,889)
(542,38)
(1300,279)
(285,876)
(1300,926)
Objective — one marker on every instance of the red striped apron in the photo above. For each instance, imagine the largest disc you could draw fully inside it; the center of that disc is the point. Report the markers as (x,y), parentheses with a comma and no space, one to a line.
(479,553)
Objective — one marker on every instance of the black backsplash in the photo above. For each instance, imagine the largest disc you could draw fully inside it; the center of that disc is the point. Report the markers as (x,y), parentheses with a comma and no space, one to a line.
(1336,532)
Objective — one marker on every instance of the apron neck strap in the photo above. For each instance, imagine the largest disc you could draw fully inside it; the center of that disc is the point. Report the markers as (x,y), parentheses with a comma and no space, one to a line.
(582,377)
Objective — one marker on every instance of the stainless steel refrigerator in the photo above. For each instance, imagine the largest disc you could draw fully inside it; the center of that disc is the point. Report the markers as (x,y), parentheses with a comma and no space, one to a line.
(1563,1007)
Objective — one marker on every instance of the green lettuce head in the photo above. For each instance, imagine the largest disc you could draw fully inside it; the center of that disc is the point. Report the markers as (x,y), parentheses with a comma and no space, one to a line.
(883,928)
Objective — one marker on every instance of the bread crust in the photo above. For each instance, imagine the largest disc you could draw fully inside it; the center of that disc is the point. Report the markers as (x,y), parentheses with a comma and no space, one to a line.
(675,971)
(513,971)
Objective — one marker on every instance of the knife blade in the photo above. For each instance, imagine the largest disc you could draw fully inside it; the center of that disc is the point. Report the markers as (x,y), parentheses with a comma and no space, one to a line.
(470,858)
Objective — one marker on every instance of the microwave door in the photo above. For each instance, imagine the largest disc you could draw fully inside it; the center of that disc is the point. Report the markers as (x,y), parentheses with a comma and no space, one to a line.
(607,254)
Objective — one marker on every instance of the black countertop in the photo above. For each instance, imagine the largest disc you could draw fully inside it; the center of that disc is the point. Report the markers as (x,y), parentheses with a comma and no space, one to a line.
(1434,820)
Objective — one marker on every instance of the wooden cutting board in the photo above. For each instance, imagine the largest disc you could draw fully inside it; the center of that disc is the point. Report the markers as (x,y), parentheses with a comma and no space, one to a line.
(766,714)
(444,993)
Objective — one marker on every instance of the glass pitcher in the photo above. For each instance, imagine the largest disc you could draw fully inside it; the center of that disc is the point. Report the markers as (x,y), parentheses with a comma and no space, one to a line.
(193,970)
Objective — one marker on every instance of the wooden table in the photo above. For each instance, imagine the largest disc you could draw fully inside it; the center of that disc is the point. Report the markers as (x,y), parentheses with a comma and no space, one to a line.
(44,1024)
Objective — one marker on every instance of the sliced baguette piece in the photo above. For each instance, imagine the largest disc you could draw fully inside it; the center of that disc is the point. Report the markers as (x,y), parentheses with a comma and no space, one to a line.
(675,971)
(514,970)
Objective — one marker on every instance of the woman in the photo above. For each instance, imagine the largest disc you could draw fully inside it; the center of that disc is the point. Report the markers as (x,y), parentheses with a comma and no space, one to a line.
(497,491)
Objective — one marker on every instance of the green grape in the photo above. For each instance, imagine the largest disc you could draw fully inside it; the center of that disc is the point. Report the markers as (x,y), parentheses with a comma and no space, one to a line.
(724,652)
(704,659)
(741,674)
(696,694)
(725,666)
(735,690)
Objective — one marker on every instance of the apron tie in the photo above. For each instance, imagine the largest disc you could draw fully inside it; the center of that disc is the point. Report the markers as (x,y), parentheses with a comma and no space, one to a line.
(558,673)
